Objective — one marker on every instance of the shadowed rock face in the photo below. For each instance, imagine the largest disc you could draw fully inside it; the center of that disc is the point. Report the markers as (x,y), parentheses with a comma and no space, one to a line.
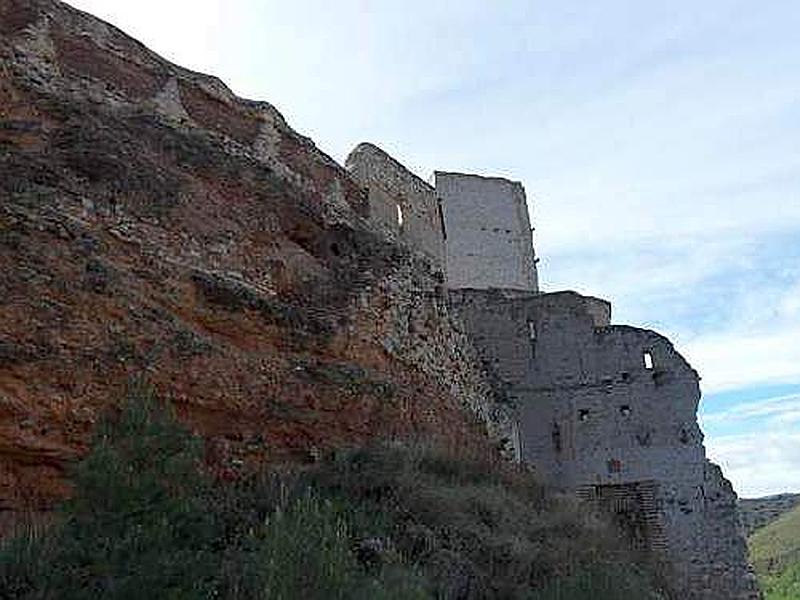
(152,222)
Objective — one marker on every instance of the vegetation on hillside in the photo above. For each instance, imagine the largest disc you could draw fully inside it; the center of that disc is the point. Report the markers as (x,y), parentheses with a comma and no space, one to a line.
(386,522)
(759,512)
(775,552)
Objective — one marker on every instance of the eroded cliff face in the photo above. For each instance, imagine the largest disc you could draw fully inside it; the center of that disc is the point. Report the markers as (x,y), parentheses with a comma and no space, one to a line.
(152,222)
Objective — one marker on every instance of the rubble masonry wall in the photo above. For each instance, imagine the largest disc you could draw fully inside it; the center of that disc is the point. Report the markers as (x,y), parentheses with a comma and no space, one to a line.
(597,418)
(402,204)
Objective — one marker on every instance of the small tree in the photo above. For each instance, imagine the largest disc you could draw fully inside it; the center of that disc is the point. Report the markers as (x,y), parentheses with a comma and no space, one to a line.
(145,521)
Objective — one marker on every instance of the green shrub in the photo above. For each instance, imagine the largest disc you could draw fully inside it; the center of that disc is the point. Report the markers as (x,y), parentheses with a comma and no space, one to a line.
(477,529)
(609,582)
(145,521)
(311,541)
(388,522)
(775,553)
(138,519)
(783,586)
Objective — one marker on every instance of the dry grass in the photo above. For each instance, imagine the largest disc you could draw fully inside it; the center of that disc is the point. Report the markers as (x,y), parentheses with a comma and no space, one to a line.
(391,521)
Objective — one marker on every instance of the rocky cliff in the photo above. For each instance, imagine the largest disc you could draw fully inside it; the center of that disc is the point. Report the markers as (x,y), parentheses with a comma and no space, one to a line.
(152,223)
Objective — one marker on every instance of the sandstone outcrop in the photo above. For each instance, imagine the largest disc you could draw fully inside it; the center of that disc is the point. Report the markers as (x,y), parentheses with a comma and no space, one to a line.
(152,223)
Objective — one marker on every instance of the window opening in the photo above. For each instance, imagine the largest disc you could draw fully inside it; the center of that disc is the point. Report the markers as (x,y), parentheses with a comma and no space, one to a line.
(583,415)
(399,216)
(648,361)
(645,438)
(625,410)
(684,436)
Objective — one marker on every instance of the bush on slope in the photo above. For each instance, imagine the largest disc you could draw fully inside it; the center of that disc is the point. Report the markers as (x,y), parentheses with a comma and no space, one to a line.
(393,521)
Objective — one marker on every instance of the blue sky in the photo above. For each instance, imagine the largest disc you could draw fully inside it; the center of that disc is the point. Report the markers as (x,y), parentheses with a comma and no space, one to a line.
(659,143)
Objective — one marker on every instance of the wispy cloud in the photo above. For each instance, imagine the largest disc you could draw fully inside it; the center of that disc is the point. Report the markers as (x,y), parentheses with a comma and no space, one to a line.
(735,359)
(756,438)
(779,410)
(759,464)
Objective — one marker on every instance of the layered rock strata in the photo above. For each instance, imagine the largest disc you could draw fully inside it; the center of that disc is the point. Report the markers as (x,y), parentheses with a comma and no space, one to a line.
(154,224)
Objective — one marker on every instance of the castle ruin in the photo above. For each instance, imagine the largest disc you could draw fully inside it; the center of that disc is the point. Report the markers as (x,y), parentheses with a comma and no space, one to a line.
(607,412)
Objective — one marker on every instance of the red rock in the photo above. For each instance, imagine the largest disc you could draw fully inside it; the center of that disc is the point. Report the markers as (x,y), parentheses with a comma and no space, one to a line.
(152,223)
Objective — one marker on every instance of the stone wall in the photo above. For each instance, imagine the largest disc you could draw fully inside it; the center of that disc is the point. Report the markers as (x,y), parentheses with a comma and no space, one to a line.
(402,204)
(605,411)
(609,412)
(419,331)
(489,243)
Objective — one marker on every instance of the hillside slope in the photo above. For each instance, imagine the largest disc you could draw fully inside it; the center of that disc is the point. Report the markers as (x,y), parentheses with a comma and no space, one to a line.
(758,512)
(400,521)
(151,221)
(775,552)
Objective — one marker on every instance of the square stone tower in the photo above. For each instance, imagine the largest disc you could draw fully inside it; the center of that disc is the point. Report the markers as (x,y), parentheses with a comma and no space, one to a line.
(489,241)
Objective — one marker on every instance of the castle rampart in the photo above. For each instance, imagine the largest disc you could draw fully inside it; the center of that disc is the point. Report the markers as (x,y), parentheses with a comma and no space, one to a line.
(607,412)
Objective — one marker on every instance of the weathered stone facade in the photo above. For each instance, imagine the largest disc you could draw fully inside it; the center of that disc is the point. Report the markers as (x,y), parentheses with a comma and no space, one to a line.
(404,206)
(489,241)
(608,412)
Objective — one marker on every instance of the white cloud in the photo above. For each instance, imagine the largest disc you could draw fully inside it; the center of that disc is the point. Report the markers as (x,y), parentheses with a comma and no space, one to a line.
(757,343)
(780,409)
(759,464)
(734,359)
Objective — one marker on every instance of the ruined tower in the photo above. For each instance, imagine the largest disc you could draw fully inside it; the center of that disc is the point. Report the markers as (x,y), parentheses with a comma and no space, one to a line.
(490,243)
(607,412)
(400,203)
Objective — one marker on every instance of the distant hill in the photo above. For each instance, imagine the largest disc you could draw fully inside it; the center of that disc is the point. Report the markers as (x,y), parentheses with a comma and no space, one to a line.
(775,553)
(759,512)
